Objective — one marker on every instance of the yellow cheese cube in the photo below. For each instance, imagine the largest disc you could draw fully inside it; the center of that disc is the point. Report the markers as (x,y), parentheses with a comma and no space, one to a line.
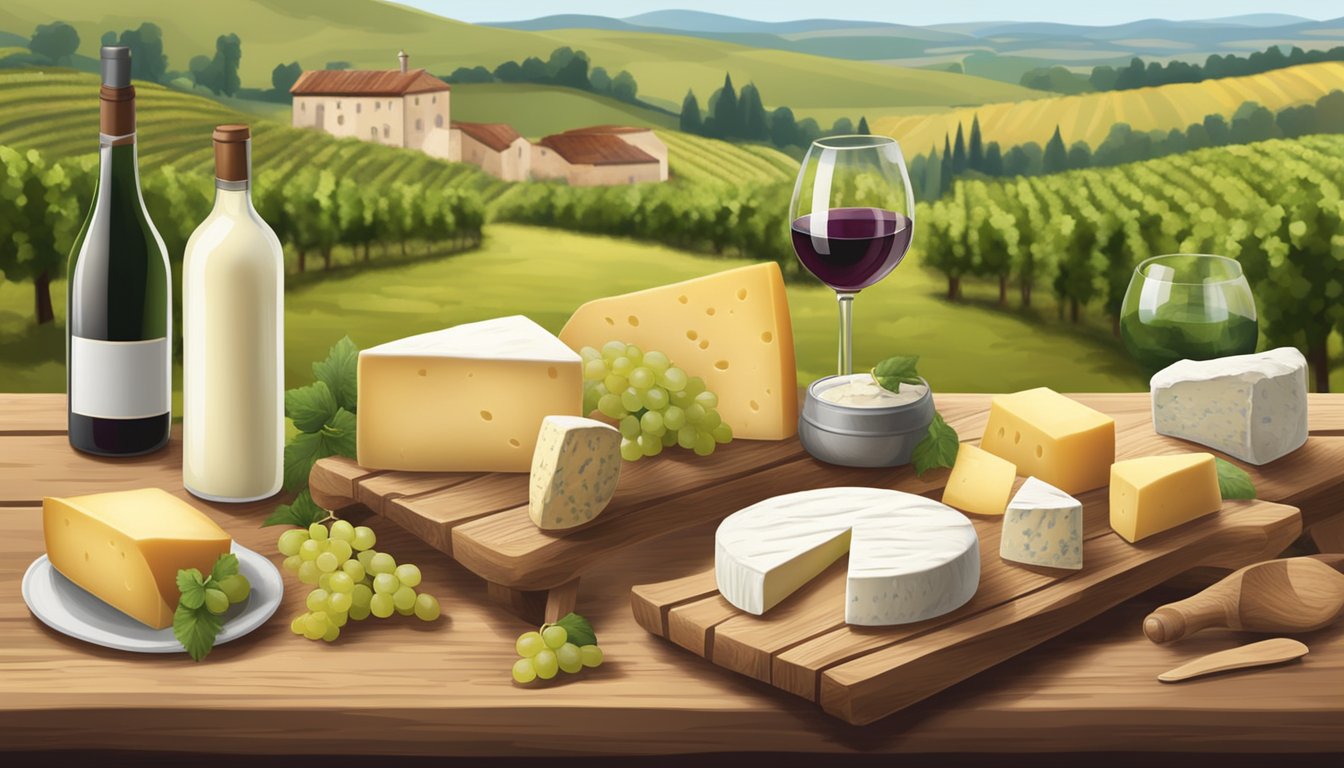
(126,548)
(1155,493)
(465,399)
(980,483)
(732,329)
(1050,437)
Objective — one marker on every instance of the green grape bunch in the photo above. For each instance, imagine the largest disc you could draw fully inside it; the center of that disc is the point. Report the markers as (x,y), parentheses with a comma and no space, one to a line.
(655,404)
(549,650)
(352,579)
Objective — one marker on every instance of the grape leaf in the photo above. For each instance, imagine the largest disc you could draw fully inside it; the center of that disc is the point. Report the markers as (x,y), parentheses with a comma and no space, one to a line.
(938,448)
(891,373)
(196,629)
(579,630)
(1233,482)
(338,435)
(225,566)
(339,372)
(310,407)
(301,454)
(192,588)
(303,512)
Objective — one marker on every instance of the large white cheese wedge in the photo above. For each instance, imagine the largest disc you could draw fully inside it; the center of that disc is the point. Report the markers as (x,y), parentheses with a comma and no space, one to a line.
(910,558)
(465,399)
(1252,407)
(574,471)
(1043,526)
(732,329)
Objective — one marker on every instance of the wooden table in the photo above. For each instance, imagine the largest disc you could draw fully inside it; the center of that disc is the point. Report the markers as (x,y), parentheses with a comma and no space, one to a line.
(401,687)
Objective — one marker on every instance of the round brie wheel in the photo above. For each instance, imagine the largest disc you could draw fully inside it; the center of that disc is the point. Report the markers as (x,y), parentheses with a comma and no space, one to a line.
(910,558)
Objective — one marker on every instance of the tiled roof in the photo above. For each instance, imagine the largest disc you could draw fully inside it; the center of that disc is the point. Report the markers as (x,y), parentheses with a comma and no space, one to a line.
(609,129)
(365,82)
(596,149)
(497,136)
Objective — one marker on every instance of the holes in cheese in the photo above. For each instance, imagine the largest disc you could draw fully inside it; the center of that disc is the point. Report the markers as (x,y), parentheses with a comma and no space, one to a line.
(1051,437)
(723,347)
(126,548)
(489,385)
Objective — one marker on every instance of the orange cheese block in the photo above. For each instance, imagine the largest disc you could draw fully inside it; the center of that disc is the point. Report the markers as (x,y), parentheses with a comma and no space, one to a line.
(126,548)
(1052,438)
(1156,493)
(732,329)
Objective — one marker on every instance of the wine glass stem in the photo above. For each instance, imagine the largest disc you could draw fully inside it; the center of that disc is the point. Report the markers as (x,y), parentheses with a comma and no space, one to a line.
(846,360)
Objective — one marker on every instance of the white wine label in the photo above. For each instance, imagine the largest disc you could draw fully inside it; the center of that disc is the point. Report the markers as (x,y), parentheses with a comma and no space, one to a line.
(119,379)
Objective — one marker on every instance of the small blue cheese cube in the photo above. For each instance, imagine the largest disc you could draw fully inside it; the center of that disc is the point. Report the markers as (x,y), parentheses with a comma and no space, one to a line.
(574,471)
(1043,526)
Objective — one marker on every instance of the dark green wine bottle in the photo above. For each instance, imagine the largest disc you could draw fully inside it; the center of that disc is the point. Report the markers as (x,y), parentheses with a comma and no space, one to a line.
(119,321)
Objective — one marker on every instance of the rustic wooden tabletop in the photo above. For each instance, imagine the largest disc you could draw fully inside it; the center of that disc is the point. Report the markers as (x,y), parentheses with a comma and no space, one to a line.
(402,687)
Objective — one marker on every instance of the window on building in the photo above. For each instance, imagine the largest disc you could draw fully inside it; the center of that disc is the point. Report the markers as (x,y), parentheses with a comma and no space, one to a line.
(373,133)
(520,150)
(303,106)
(433,99)
(387,131)
(338,103)
(377,105)
(417,101)
(359,108)
(340,119)
(419,124)
(438,121)
(391,105)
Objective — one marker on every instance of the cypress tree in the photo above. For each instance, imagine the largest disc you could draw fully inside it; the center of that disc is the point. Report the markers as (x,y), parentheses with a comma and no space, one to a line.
(976,153)
(959,153)
(1056,156)
(725,111)
(945,170)
(691,122)
(863,126)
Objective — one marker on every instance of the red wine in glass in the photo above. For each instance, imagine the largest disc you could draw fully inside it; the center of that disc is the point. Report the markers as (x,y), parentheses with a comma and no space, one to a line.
(850,249)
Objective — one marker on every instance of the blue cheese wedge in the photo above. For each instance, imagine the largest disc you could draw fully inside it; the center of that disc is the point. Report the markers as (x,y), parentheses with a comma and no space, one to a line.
(1043,526)
(910,557)
(1250,407)
(574,471)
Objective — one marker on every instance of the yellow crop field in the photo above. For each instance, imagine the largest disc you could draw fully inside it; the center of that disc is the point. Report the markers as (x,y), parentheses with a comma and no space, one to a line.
(1089,117)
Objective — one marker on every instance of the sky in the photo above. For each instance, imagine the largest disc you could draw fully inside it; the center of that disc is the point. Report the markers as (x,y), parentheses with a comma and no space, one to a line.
(943,11)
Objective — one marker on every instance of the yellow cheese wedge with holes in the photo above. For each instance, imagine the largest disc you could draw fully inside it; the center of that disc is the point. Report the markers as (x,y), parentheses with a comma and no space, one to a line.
(126,548)
(981,483)
(1052,438)
(732,329)
(1157,493)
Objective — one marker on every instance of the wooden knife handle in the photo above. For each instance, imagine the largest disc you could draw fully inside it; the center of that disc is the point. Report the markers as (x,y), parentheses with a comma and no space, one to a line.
(1176,620)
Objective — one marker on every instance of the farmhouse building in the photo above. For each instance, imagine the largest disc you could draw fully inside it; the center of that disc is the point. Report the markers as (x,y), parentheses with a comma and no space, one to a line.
(399,108)
(410,108)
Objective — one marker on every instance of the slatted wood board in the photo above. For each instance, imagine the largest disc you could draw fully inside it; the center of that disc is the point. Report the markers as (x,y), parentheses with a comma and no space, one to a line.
(861,674)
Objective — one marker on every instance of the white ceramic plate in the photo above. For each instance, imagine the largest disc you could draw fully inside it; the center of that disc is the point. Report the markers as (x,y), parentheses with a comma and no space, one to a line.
(69,609)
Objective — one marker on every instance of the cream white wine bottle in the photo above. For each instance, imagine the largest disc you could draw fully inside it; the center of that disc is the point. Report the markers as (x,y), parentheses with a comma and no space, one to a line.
(119,310)
(233,282)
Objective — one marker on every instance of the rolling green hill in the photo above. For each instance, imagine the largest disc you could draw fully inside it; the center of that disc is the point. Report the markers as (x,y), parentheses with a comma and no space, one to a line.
(538,110)
(57,112)
(368,33)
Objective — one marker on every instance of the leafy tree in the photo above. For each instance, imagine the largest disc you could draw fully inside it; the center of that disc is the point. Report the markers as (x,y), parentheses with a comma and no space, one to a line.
(109,38)
(1220,133)
(284,76)
(147,58)
(784,128)
(752,112)
(534,70)
(56,42)
(338,65)
(1251,123)
(1080,155)
(477,74)
(574,74)
(40,212)
(624,87)
(691,122)
(559,59)
(723,109)
(221,74)
(509,72)
(993,159)
(976,151)
(842,126)
(1056,156)
(959,153)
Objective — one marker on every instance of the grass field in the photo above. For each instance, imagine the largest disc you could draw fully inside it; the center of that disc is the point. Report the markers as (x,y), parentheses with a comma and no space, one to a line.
(368,33)
(1089,117)
(538,110)
(546,274)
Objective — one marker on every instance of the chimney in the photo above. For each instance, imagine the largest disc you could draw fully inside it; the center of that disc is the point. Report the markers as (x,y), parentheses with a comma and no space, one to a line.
(402,58)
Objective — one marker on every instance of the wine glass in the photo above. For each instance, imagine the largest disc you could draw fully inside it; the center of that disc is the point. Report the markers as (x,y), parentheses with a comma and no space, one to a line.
(1188,306)
(852,217)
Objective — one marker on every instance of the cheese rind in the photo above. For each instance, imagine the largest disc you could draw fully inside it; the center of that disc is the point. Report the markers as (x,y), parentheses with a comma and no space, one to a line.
(1251,407)
(126,548)
(574,471)
(1051,437)
(469,398)
(980,482)
(1043,526)
(910,558)
(1156,493)
(732,329)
